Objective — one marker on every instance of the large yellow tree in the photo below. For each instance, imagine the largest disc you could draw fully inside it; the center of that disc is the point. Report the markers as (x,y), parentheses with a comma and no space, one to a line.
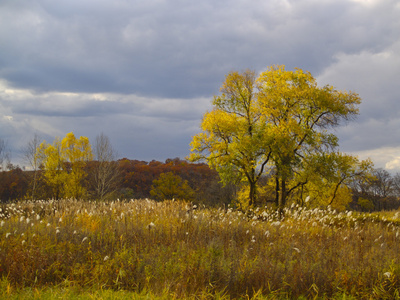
(64,162)
(235,139)
(276,122)
(300,114)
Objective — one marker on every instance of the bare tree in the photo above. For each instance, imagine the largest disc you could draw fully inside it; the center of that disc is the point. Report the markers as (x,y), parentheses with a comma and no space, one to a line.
(105,172)
(5,155)
(383,184)
(32,158)
(396,182)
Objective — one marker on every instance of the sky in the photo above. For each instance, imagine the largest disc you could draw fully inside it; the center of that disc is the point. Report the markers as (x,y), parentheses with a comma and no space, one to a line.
(144,72)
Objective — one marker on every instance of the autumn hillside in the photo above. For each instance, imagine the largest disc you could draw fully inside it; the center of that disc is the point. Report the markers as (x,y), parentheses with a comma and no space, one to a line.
(134,181)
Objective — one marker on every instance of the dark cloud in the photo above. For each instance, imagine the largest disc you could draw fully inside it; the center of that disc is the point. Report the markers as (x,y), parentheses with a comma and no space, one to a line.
(176,48)
(372,76)
(144,72)
(59,106)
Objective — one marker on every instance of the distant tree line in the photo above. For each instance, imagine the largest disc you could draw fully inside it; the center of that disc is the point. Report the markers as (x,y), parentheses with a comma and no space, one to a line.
(377,191)
(73,168)
(141,179)
(135,179)
(110,178)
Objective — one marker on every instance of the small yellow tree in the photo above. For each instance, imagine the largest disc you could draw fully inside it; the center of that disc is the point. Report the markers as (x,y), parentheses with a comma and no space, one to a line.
(330,176)
(170,186)
(64,163)
(53,165)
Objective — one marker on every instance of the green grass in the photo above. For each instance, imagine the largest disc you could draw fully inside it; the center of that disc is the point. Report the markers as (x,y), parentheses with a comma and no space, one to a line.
(145,249)
(71,293)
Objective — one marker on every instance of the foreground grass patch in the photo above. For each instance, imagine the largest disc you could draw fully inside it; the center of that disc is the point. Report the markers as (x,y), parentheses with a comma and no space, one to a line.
(176,250)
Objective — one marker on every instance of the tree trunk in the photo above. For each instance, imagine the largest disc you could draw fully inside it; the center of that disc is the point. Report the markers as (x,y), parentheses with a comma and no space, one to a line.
(277,191)
(282,196)
(252,193)
(34,184)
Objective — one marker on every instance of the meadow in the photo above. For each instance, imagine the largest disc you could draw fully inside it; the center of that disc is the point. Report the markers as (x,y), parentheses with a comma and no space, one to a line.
(142,249)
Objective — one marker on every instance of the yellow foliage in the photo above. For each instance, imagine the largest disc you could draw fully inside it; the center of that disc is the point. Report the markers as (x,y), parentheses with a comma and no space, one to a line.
(170,186)
(88,222)
(243,200)
(342,199)
(234,138)
(272,123)
(63,163)
(327,178)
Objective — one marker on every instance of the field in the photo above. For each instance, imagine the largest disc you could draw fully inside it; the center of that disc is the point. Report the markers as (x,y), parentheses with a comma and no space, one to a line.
(142,249)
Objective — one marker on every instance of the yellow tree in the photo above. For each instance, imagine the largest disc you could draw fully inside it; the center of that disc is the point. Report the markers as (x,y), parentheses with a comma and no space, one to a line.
(235,139)
(64,163)
(53,165)
(275,123)
(328,178)
(76,153)
(169,186)
(300,114)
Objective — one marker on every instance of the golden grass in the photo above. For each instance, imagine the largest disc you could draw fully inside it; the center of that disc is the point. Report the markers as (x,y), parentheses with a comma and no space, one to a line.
(169,248)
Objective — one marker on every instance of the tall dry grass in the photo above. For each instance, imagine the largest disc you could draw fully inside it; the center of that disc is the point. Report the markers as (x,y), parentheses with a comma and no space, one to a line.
(174,248)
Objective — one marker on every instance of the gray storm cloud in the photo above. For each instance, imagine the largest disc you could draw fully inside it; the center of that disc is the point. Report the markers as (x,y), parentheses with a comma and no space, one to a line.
(144,72)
